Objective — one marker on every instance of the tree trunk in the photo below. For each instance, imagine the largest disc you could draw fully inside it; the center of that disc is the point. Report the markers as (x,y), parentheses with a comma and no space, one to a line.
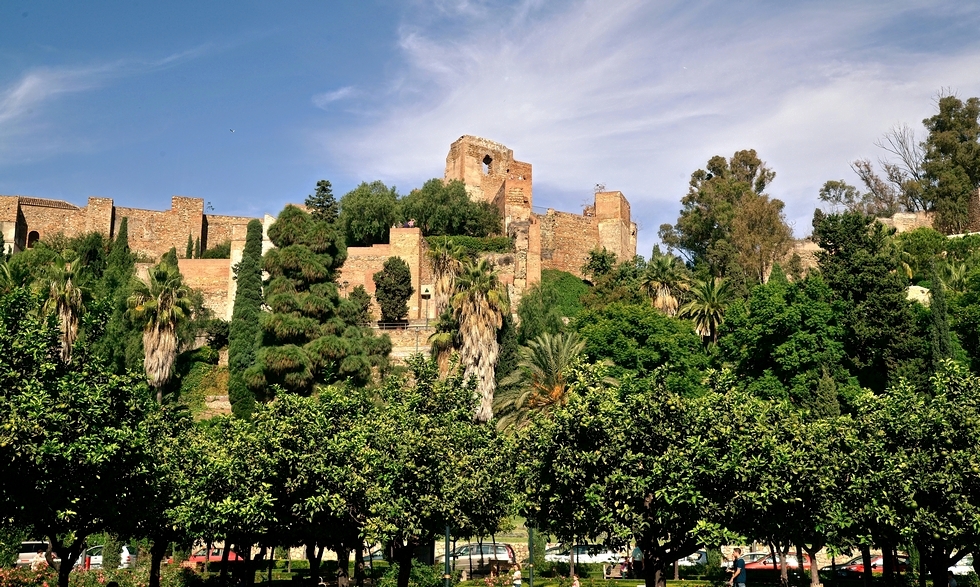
(811,553)
(783,574)
(69,556)
(225,551)
(654,569)
(157,550)
(403,554)
(314,555)
(866,561)
(888,564)
(343,560)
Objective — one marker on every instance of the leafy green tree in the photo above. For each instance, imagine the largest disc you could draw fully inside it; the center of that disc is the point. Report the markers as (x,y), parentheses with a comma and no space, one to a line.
(367,214)
(635,464)
(600,263)
(160,304)
(393,289)
(121,341)
(785,341)
(546,307)
(951,162)
(444,208)
(322,205)
(305,339)
(727,220)
(917,465)
(431,466)
(479,305)
(858,263)
(74,422)
(640,340)
(244,331)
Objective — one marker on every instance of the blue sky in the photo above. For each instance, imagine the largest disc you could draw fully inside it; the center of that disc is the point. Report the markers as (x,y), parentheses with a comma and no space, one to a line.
(136,101)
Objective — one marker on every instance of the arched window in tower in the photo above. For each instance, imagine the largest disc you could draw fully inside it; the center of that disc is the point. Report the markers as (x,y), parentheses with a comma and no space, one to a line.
(486,164)
(32,238)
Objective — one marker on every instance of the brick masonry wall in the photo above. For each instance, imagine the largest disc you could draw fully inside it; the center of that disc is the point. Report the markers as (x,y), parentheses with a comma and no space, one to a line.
(51,217)
(153,233)
(219,229)
(209,276)
(566,240)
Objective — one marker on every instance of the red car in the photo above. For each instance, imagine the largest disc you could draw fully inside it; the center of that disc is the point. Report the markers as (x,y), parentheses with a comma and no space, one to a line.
(202,556)
(768,564)
(854,568)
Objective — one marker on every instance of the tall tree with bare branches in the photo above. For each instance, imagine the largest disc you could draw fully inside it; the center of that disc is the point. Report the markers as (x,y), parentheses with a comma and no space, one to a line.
(479,306)
(160,303)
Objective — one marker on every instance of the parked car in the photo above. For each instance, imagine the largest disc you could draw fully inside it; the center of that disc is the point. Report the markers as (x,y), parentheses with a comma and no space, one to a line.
(585,554)
(748,557)
(127,557)
(964,566)
(202,556)
(476,558)
(698,558)
(29,549)
(854,568)
(767,562)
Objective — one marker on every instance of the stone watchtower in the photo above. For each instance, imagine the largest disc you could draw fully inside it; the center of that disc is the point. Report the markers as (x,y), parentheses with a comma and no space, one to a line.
(491,174)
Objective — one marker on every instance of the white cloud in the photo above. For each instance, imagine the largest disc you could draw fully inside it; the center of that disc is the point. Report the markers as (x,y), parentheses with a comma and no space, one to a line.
(638,95)
(325,99)
(24,103)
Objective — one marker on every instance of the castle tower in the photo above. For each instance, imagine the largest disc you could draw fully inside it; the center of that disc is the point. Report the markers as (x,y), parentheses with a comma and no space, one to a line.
(491,174)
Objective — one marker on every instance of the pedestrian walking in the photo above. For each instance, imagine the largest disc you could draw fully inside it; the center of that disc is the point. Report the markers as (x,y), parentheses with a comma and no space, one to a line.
(38,563)
(516,578)
(738,569)
(575,582)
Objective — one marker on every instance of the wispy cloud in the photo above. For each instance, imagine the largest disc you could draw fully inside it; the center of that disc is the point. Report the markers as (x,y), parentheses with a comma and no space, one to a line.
(24,103)
(325,99)
(637,95)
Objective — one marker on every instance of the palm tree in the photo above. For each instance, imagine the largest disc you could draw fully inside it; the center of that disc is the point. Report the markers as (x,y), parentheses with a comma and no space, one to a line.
(446,263)
(540,381)
(707,307)
(65,300)
(665,282)
(161,303)
(479,305)
(953,276)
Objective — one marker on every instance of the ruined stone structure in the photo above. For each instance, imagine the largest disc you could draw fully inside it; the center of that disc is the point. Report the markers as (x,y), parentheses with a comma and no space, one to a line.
(554,240)
(24,221)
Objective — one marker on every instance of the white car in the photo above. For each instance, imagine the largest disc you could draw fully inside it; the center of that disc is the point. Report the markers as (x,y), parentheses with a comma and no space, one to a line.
(698,558)
(964,567)
(584,554)
(127,557)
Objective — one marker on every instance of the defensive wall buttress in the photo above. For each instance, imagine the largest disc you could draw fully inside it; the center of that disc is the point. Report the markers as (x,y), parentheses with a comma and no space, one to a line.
(553,240)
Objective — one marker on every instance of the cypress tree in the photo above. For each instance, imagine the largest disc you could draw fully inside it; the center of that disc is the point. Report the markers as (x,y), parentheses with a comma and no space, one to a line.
(197,248)
(243,334)
(942,341)
(120,342)
(189,252)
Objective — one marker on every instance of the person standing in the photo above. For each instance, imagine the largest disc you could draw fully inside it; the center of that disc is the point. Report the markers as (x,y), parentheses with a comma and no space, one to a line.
(575,582)
(516,579)
(738,569)
(951,579)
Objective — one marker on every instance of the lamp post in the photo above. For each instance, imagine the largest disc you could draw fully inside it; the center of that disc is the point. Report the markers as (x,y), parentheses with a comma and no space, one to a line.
(530,556)
(446,574)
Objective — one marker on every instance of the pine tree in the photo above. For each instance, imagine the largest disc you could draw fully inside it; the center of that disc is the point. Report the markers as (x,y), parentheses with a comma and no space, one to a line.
(243,336)
(305,339)
(322,205)
(189,253)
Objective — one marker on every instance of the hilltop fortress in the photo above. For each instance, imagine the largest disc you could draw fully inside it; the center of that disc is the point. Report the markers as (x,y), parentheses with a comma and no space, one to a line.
(553,240)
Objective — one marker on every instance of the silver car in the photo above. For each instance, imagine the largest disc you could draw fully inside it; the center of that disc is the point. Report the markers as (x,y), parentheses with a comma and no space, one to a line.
(475,558)
(127,557)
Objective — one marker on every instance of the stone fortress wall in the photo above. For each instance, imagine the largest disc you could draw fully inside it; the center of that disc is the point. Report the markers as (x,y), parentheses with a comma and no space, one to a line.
(554,240)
